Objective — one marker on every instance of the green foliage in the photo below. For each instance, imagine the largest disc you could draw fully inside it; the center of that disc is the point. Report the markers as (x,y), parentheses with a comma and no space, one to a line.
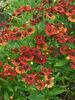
(57,90)
(6,95)
(36,97)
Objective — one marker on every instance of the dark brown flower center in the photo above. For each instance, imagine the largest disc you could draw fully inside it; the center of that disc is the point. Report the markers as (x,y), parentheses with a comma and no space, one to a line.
(29,30)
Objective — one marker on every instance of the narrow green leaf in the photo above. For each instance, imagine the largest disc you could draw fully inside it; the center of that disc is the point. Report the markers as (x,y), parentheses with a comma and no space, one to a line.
(55,91)
(61,63)
(6,95)
(10,89)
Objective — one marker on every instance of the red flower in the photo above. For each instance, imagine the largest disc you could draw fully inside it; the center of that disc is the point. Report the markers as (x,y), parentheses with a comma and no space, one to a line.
(46,71)
(50,30)
(36,51)
(40,39)
(26,54)
(70,10)
(41,59)
(24,49)
(61,28)
(35,20)
(59,9)
(30,31)
(26,57)
(14,34)
(62,38)
(27,67)
(22,60)
(29,56)
(30,78)
(22,8)
(40,85)
(23,68)
(19,70)
(8,71)
(64,50)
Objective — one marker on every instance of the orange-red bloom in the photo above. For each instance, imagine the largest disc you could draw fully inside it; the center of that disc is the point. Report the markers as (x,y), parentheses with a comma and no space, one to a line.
(62,38)
(59,9)
(40,39)
(40,85)
(40,59)
(8,71)
(64,50)
(50,15)
(30,78)
(50,29)
(23,68)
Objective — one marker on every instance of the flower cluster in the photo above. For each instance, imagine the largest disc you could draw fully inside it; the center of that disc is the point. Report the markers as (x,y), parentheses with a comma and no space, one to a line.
(66,50)
(59,32)
(52,42)
(40,80)
(62,7)
(22,66)
(14,34)
(8,71)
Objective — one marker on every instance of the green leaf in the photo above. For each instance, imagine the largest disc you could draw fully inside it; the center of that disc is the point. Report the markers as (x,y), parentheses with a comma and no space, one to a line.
(6,95)
(61,63)
(1,69)
(10,89)
(55,91)
(21,98)
(36,97)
